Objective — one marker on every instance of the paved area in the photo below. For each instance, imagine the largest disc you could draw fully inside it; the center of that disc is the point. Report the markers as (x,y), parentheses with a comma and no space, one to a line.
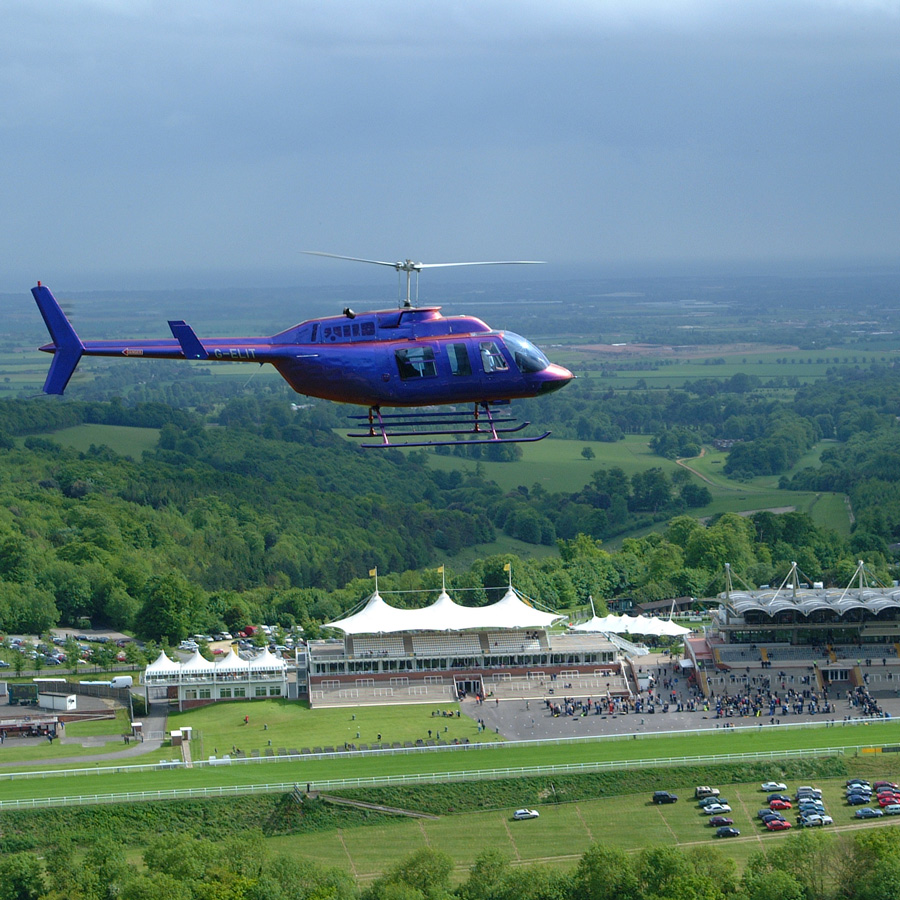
(531,719)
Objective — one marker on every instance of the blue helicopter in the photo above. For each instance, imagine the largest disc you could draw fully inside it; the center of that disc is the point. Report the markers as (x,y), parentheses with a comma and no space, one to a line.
(410,357)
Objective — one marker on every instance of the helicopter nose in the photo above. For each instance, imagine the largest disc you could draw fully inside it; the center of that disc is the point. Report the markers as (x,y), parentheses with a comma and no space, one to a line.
(553,378)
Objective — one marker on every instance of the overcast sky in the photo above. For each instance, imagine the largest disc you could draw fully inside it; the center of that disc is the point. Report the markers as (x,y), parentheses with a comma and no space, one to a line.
(147,143)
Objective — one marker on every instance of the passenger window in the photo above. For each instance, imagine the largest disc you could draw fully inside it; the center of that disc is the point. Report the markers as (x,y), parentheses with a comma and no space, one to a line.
(416,362)
(492,359)
(459,359)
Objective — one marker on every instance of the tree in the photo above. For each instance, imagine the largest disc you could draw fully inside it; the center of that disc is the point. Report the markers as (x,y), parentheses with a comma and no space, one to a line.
(21,877)
(167,608)
(588,453)
(604,873)
(485,876)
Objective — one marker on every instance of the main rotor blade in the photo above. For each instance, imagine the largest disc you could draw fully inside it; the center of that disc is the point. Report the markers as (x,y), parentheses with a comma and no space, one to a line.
(377,262)
(496,262)
(409,266)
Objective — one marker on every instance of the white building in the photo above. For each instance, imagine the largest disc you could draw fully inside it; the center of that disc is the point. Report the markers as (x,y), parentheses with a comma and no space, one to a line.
(197,681)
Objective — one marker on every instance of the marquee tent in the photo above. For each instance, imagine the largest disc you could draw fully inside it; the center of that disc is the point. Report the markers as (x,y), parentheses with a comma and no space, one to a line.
(377,617)
(646,625)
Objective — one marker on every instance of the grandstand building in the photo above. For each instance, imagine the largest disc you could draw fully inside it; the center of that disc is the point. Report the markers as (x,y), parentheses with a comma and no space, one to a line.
(446,650)
(836,634)
(796,614)
(198,681)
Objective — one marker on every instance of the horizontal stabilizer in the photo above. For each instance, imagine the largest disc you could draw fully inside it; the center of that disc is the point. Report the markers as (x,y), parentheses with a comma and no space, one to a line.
(67,348)
(187,337)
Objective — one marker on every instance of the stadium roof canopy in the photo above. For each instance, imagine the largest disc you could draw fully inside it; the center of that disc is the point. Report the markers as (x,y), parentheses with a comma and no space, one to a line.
(806,602)
(377,617)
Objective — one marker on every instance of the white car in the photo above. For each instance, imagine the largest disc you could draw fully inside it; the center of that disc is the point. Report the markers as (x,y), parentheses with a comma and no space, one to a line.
(714,809)
(774,786)
(526,814)
(816,819)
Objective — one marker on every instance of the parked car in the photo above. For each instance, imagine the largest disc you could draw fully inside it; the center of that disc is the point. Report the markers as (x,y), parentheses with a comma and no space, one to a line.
(889,784)
(774,786)
(716,808)
(780,804)
(857,782)
(717,821)
(664,797)
(859,799)
(778,825)
(815,819)
(868,813)
(892,809)
(704,791)
(711,801)
(772,797)
(773,817)
(526,814)
(727,831)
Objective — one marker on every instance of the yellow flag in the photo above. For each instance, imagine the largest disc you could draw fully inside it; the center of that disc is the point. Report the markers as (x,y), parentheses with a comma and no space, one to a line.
(506,567)
(441,569)
(373,573)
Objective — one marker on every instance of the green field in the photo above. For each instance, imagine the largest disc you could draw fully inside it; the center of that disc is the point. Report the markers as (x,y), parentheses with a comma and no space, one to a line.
(559,466)
(122,439)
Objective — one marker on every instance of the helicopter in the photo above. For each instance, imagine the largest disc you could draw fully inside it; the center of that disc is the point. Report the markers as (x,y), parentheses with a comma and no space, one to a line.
(411,357)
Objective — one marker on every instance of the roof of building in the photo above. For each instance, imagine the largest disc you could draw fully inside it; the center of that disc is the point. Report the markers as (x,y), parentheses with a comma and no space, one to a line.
(377,617)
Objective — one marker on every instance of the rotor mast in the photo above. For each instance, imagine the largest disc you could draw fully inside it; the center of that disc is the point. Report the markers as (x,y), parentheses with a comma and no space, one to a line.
(408,266)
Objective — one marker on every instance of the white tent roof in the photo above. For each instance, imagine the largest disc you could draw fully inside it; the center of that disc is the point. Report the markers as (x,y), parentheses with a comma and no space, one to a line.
(231,663)
(377,617)
(197,663)
(266,660)
(633,625)
(162,665)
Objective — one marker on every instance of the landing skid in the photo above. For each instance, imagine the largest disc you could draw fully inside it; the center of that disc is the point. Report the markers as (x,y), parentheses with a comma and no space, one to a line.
(483,423)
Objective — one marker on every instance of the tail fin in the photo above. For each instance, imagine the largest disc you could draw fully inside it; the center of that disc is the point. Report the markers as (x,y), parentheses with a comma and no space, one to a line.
(66,349)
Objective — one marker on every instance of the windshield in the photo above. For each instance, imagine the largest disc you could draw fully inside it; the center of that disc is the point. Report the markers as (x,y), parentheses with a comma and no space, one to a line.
(528,358)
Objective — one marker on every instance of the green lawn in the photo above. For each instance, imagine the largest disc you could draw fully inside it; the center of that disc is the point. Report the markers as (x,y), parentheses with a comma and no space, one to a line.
(219,727)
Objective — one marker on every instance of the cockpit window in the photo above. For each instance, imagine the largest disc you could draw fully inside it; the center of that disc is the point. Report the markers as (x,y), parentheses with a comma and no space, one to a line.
(492,360)
(528,358)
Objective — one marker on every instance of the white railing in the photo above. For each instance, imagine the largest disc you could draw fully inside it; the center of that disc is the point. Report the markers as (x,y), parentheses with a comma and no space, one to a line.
(389,780)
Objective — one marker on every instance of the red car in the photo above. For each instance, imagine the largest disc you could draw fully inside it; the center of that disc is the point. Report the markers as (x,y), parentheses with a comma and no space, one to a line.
(778,825)
(887,799)
(780,804)
(719,821)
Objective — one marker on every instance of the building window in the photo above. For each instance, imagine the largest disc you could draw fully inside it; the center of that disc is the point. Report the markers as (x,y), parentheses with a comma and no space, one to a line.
(275,691)
(225,693)
(259,691)
(205,694)
(240,692)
